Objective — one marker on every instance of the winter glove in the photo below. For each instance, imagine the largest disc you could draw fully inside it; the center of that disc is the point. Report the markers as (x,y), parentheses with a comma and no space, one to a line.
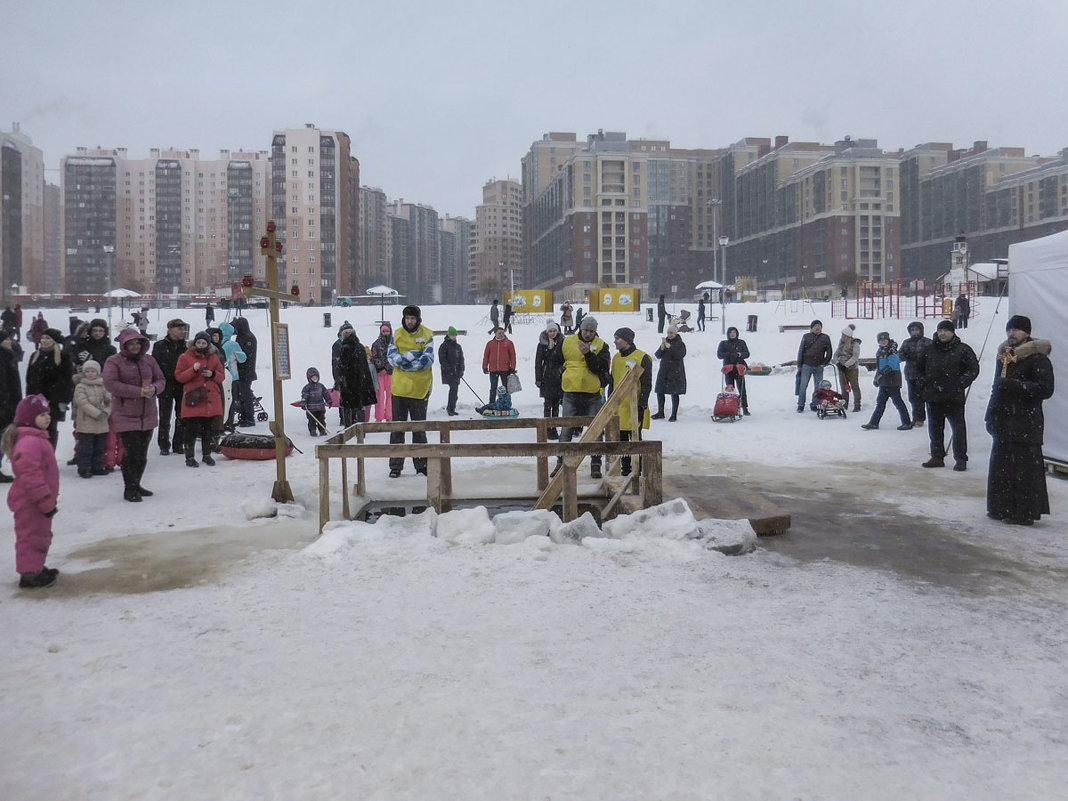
(61,408)
(989,428)
(53,512)
(485,370)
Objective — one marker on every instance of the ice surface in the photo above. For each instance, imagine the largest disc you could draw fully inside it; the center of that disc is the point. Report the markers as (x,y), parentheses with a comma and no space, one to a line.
(513,527)
(577,530)
(671,519)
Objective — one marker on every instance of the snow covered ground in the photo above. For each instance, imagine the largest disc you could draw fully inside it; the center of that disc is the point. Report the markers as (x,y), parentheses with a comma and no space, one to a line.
(896,644)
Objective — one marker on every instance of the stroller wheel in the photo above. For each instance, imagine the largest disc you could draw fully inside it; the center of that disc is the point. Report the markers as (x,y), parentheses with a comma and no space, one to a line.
(262,416)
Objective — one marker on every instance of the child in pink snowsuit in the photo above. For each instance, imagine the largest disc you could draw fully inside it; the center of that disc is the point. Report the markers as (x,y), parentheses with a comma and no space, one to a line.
(32,497)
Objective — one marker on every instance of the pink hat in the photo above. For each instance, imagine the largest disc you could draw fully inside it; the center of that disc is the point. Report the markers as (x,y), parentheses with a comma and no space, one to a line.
(28,409)
(385,329)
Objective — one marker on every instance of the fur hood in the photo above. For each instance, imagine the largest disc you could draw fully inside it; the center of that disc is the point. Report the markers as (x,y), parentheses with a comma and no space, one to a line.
(1030,347)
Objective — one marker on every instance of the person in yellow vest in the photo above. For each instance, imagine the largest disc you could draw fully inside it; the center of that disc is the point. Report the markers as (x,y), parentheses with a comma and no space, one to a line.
(627,357)
(412,355)
(586,370)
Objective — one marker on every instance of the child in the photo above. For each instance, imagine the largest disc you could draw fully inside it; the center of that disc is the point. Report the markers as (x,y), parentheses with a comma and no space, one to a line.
(32,497)
(92,408)
(826,396)
(314,399)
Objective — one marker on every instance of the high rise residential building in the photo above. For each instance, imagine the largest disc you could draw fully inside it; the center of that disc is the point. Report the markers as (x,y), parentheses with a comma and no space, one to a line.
(172,222)
(497,249)
(416,255)
(315,199)
(53,245)
(375,239)
(455,238)
(22,213)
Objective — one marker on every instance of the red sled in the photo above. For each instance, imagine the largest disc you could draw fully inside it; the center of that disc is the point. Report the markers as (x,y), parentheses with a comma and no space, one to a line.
(726,408)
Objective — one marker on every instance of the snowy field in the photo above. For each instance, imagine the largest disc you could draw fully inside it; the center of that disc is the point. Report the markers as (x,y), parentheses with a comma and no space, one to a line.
(896,644)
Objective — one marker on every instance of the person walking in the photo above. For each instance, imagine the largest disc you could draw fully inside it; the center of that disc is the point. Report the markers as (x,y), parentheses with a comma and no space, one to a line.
(201,372)
(451,359)
(34,491)
(888,380)
(498,359)
(733,352)
(209,315)
(947,368)
(495,316)
(962,310)
(567,319)
(548,370)
(246,370)
(813,355)
(630,421)
(135,380)
(38,327)
(166,353)
(701,312)
(910,352)
(10,388)
(507,323)
(1023,379)
(671,377)
(587,368)
(412,355)
(846,360)
(50,372)
(384,371)
(661,315)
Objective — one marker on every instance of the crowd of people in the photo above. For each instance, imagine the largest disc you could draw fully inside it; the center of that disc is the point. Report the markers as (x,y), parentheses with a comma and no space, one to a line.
(182,390)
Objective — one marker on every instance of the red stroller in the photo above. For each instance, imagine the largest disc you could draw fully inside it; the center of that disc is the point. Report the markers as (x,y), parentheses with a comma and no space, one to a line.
(727,408)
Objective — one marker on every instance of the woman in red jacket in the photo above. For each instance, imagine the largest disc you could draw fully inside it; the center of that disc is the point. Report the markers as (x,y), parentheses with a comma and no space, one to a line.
(201,372)
(498,360)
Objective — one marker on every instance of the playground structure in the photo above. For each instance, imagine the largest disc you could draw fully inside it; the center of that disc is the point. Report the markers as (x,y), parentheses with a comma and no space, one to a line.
(900,299)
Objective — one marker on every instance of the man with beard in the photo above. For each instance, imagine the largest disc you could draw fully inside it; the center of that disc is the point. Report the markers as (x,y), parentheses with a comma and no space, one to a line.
(166,352)
(412,355)
(587,365)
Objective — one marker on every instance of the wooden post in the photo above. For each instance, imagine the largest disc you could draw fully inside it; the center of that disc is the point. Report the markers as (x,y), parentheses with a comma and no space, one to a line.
(345,488)
(433,484)
(445,436)
(361,474)
(651,478)
(569,477)
(324,492)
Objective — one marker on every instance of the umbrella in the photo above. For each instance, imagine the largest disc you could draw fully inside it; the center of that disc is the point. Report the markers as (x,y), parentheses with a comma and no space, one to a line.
(122,294)
(709,285)
(382,291)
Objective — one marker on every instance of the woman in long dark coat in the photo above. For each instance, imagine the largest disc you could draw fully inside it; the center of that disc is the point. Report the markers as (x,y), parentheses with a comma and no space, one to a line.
(354,381)
(1023,378)
(548,371)
(671,377)
(50,373)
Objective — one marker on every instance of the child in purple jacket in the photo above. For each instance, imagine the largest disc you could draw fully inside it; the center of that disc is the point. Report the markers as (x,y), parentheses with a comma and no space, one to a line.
(32,497)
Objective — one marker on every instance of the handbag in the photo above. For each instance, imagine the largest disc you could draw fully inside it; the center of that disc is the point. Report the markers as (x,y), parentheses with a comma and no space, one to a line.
(195,396)
(512,383)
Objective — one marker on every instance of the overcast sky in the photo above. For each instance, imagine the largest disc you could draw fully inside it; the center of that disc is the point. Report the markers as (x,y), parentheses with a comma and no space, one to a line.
(439,98)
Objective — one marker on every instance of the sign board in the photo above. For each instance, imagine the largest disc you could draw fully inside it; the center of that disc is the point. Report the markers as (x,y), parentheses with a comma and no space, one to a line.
(280,343)
(617,298)
(531,301)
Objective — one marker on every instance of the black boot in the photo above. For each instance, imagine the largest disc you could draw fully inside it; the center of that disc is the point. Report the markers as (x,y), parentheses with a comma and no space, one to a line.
(190,456)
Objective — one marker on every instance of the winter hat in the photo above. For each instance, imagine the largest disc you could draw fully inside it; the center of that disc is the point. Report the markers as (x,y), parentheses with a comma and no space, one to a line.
(552,325)
(825,384)
(91,364)
(882,335)
(673,329)
(55,334)
(814,323)
(412,311)
(98,322)
(28,409)
(625,334)
(735,330)
(589,323)
(502,390)
(202,335)
(177,322)
(916,325)
(946,325)
(4,334)
(385,328)
(311,372)
(848,330)
(1020,323)
(345,326)
(452,331)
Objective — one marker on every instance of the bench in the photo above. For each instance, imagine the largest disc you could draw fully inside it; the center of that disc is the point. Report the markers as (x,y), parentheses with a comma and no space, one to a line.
(459,332)
(794,327)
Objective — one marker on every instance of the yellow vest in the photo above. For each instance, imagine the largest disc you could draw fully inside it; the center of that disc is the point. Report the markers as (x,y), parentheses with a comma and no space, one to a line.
(577,376)
(620,365)
(413,383)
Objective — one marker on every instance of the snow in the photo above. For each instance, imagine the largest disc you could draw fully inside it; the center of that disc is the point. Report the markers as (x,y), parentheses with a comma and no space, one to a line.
(208,642)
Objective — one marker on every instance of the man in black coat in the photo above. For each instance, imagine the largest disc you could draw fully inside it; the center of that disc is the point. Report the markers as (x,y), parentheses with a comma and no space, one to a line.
(1023,378)
(909,352)
(166,353)
(813,354)
(946,369)
(451,361)
(246,372)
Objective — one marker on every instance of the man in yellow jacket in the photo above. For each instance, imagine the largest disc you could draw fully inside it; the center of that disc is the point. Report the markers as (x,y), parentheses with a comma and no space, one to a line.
(412,355)
(586,371)
(627,357)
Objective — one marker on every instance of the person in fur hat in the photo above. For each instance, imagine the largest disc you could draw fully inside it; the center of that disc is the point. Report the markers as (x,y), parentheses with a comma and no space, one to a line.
(33,495)
(50,373)
(1023,378)
(92,411)
(412,355)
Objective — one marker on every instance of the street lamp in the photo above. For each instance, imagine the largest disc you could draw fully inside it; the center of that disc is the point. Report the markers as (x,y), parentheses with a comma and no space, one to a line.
(714,204)
(723,240)
(109,261)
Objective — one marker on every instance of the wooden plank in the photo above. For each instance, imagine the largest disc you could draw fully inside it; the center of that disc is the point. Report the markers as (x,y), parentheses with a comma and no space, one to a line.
(727,499)
(324,493)
(345,489)
(652,479)
(577,447)
(434,496)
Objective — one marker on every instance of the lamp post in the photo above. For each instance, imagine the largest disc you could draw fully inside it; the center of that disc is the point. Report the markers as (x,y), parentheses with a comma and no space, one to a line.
(109,259)
(723,240)
(714,204)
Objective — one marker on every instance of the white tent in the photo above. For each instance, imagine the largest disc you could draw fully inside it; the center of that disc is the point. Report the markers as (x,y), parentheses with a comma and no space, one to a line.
(1038,288)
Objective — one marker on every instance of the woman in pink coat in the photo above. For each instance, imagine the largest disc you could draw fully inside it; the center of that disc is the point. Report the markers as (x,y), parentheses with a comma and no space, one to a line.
(201,372)
(134,380)
(32,497)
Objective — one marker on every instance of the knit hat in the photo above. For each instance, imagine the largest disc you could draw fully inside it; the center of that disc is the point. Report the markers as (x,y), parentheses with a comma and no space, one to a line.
(345,326)
(625,334)
(311,372)
(814,323)
(589,323)
(91,364)
(202,335)
(452,331)
(848,330)
(946,325)
(177,322)
(502,390)
(552,325)
(98,322)
(672,329)
(28,409)
(1020,323)
(55,333)
(882,335)
(4,334)
(385,328)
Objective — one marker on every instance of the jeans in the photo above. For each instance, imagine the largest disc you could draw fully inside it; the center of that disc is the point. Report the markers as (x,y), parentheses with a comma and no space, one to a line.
(408,409)
(454,391)
(893,394)
(495,377)
(816,374)
(581,404)
(937,414)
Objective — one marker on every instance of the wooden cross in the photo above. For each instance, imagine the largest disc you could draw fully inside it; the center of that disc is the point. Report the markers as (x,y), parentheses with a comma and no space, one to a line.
(1007,357)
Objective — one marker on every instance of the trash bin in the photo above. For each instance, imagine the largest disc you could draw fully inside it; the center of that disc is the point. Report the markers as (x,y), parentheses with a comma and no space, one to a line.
(751,323)
(326,319)
(649,314)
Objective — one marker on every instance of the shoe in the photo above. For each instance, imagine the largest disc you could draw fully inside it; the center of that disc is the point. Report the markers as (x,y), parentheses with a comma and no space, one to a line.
(52,571)
(559,464)
(452,412)
(813,408)
(145,493)
(870,427)
(960,467)
(672,419)
(206,459)
(6,479)
(191,462)
(85,474)
(856,409)
(919,424)
(164,451)
(552,433)
(246,424)
(657,416)
(33,581)
(394,473)
(934,461)
(72,461)
(800,409)
(745,413)
(995,516)
(1012,521)
(103,471)
(131,495)
(595,471)
(420,471)
(905,427)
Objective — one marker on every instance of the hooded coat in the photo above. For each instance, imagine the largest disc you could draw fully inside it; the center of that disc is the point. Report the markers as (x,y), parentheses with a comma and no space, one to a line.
(912,349)
(232,356)
(451,359)
(124,375)
(354,374)
(92,406)
(32,495)
(46,375)
(190,371)
(671,377)
(246,370)
(10,386)
(549,367)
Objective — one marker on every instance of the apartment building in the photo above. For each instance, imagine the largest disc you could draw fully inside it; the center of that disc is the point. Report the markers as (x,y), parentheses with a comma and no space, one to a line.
(455,238)
(376,244)
(497,252)
(22,213)
(416,266)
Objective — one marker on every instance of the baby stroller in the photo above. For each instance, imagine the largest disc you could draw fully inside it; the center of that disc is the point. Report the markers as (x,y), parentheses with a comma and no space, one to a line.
(682,322)
(828,402)
(727,405)
(257,407)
